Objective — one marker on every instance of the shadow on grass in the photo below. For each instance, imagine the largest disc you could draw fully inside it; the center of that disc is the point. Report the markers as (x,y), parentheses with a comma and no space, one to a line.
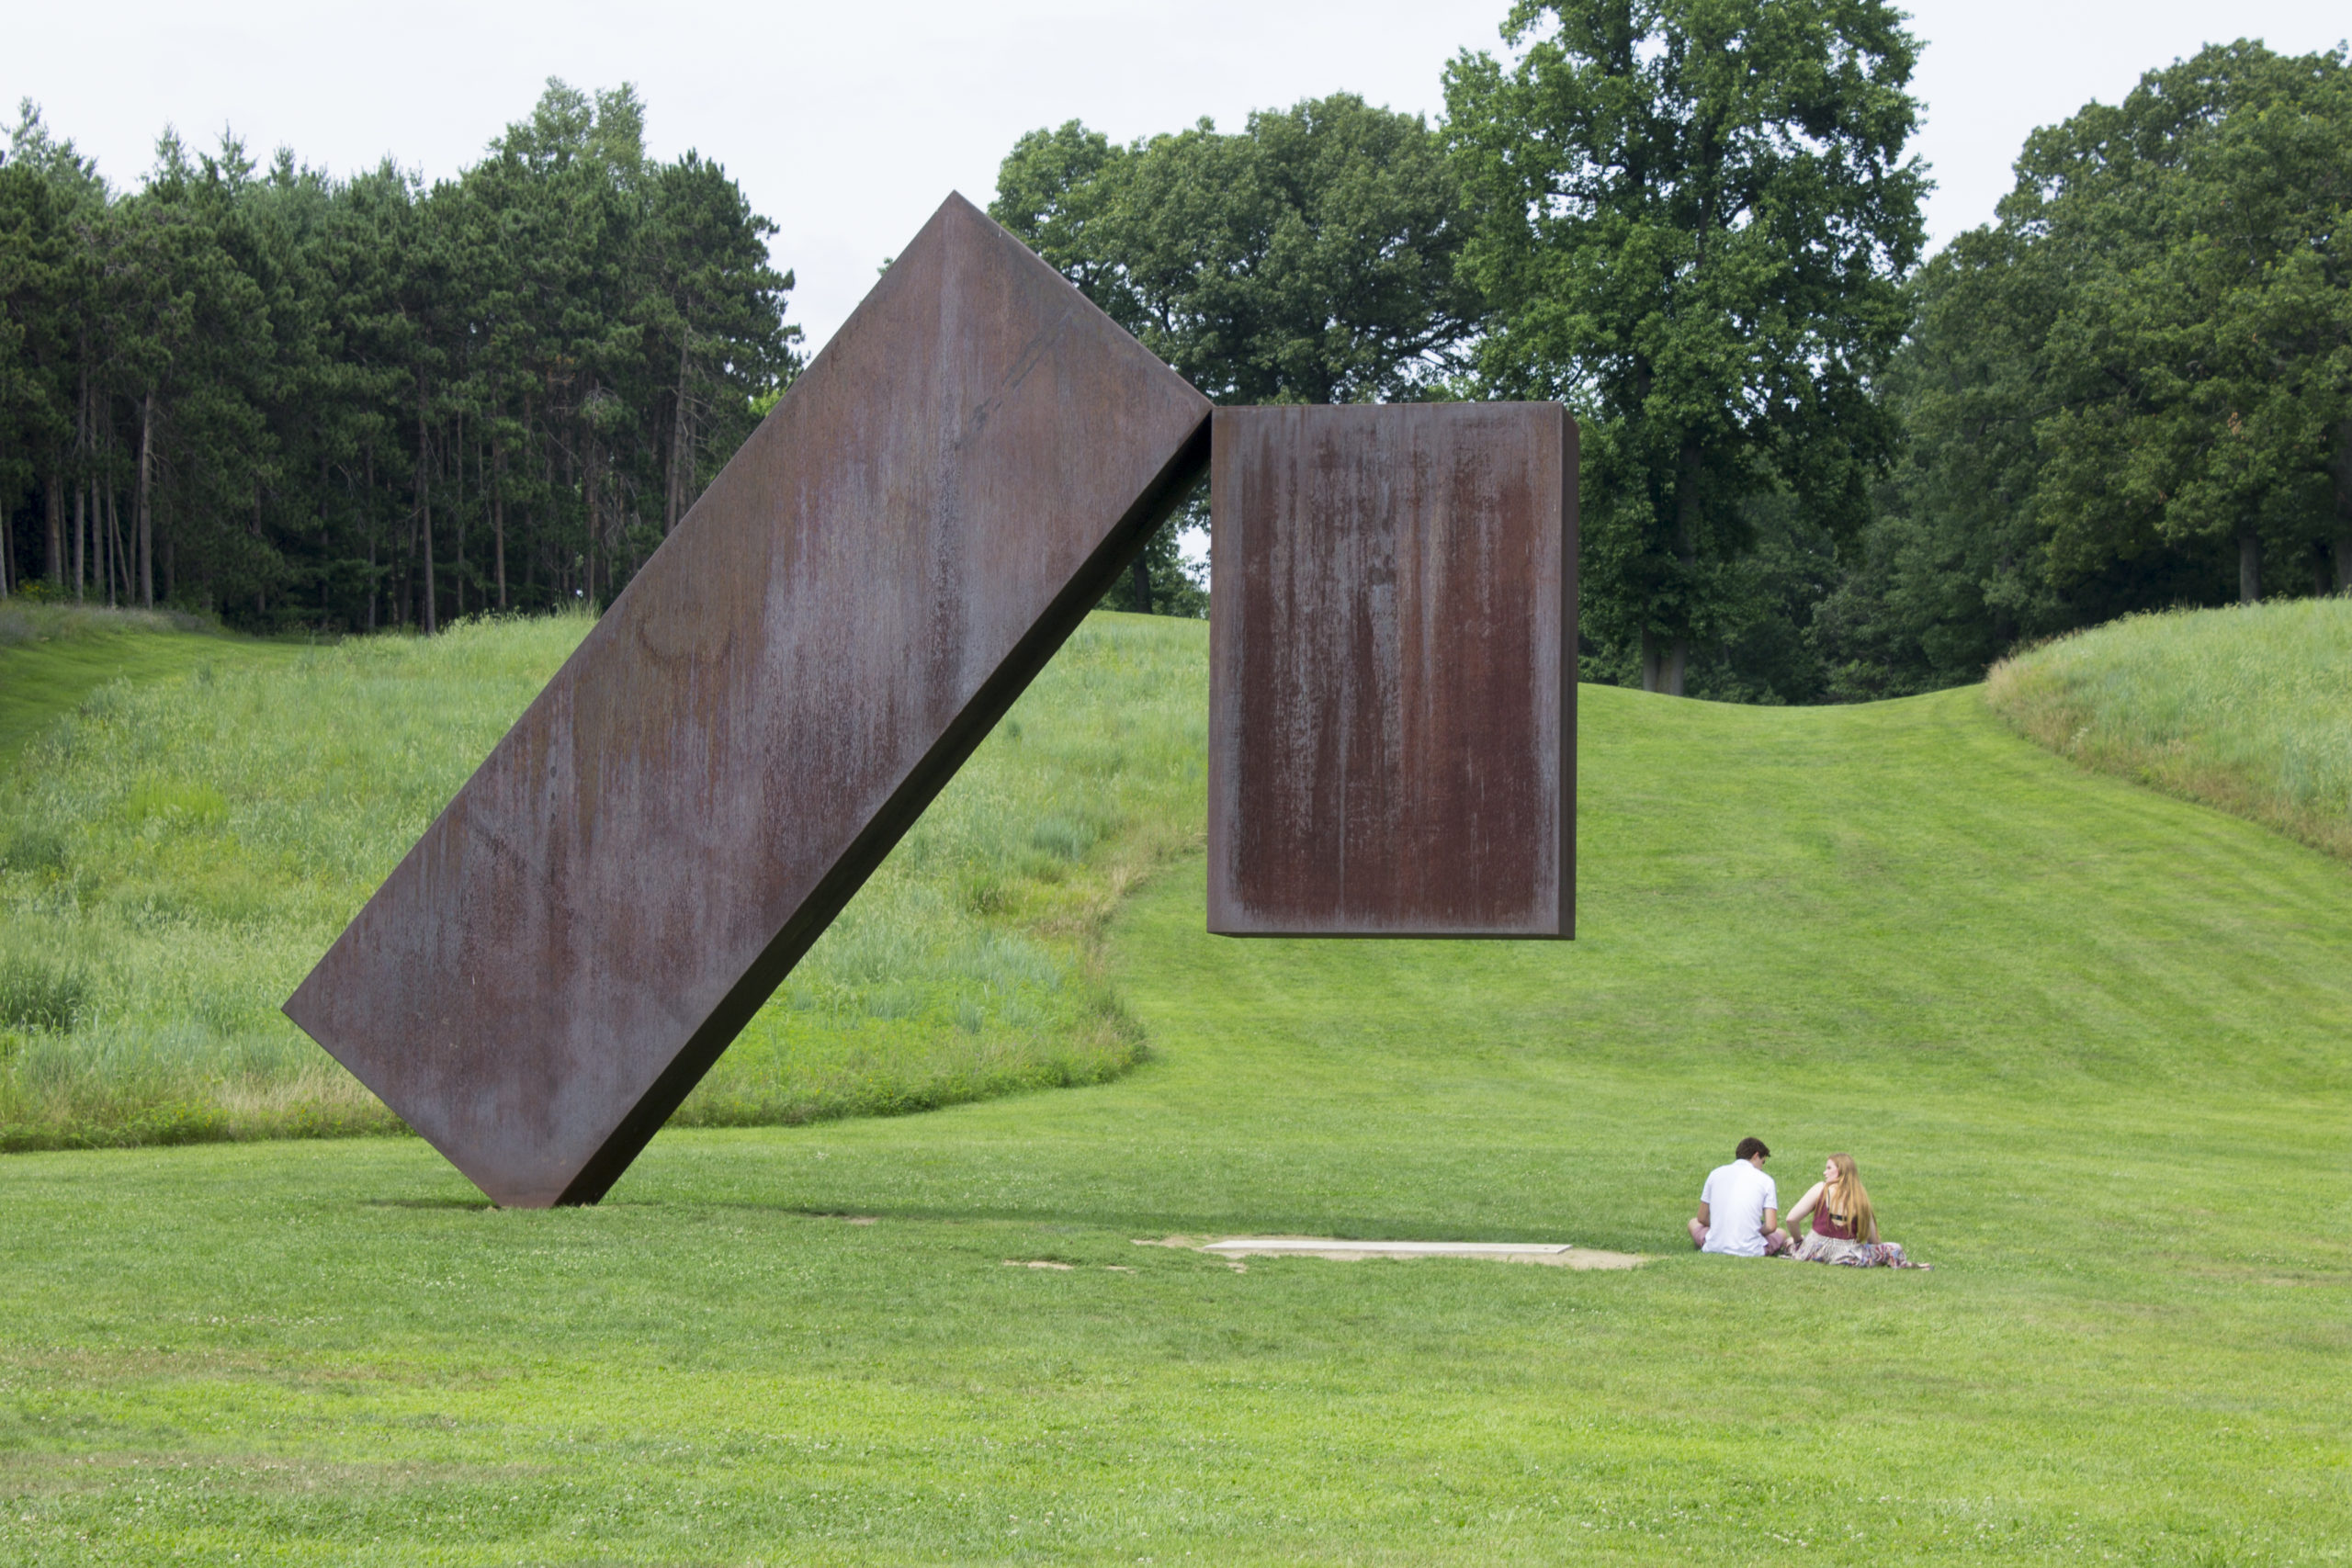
(1130,1223)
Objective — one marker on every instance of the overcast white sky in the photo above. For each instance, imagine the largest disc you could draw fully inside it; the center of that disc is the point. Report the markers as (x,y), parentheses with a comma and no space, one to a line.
(847,123)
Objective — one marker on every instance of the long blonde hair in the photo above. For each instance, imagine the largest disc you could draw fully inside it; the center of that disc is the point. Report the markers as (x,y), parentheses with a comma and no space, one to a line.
(1847,1195)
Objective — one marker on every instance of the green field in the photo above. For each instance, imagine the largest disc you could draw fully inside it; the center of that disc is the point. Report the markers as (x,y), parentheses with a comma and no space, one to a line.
(2091,1044)
(2249,709)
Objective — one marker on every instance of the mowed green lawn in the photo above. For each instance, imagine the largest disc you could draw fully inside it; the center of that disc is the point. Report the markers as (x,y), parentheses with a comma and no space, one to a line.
(52,657)
(2091,1045)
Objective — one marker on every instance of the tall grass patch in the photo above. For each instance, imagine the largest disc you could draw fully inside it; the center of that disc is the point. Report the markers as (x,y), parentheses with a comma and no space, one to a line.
(2247,708)
(177,855)
(26,619)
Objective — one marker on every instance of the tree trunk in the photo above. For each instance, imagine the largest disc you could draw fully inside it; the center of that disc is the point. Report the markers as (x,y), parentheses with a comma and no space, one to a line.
(424,517)
(118,569)
(1142,570)
(2344,506)
(681,443)
(425,498)
(146,503)
(101,564)
(53,559)
(588,492)
(498,516)
(81,483)
(2249,568)
(457,517)
(1665,659)
(374,526)
(101,552)
(547,474)
(1662,663)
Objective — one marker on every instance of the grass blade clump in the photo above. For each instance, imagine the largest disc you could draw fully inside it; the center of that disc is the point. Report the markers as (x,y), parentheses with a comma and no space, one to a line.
(2247,708)
(40,992)
(179,852)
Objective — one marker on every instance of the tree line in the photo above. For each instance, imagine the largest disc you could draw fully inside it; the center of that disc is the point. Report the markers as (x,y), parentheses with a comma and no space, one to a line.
(2134,389)
(351,404)
(1814,468)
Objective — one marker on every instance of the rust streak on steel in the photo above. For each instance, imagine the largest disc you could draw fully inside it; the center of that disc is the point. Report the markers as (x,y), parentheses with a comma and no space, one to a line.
(1392,674)
(890,559)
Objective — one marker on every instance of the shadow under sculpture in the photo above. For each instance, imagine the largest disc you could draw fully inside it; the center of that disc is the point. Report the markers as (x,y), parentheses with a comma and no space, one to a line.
(891,558)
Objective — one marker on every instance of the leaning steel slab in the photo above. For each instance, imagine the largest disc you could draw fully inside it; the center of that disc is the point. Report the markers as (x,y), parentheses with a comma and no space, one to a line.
(1392,671)
(752,725)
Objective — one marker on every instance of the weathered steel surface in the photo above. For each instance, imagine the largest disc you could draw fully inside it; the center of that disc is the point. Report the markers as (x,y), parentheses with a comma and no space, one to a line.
(1392,674)
(885,565)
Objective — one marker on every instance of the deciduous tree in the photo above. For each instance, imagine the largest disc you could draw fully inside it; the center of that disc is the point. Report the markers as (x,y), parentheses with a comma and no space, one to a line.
(1693,219)
(1310,257)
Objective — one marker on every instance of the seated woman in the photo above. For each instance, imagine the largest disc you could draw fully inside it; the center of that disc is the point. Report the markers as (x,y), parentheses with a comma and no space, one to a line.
(1845,1227)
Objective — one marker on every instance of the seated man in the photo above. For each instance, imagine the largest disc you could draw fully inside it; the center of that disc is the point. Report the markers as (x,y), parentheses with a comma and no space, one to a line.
(1739,1209)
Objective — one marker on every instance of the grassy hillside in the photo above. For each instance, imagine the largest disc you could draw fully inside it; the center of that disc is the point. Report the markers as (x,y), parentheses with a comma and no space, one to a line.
(2249,708)
(52,656)
(2091,1045)
(176,855)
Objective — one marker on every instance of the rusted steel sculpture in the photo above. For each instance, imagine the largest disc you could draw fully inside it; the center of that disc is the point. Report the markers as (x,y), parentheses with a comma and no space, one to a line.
(853,605)
(1392,671)
(755,721)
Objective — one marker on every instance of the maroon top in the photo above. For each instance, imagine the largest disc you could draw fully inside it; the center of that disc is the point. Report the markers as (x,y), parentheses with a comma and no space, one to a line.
(1834,1226)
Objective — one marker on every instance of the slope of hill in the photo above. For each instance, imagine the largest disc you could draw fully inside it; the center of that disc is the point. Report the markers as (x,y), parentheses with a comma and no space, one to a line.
(2247,708)
(177,853)
(51,656)
(2091,1045)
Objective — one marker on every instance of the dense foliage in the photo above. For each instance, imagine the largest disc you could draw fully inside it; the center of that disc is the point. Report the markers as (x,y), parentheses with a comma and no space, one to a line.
(1309,258)
(1693,216)
(1812,470)
(2135,391)
(353,402)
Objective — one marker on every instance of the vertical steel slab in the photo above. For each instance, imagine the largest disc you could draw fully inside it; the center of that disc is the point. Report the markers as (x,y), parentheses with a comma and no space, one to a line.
(754,723)
(1392,671)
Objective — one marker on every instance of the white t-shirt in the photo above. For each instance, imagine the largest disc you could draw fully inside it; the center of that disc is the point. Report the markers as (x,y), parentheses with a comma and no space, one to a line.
(1737,1196)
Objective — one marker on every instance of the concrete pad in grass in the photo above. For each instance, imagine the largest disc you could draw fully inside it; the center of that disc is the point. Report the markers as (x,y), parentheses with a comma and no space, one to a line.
(1559,1255)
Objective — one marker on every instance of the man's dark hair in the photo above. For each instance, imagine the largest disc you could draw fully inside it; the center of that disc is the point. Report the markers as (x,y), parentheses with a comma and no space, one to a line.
(1750,1147)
